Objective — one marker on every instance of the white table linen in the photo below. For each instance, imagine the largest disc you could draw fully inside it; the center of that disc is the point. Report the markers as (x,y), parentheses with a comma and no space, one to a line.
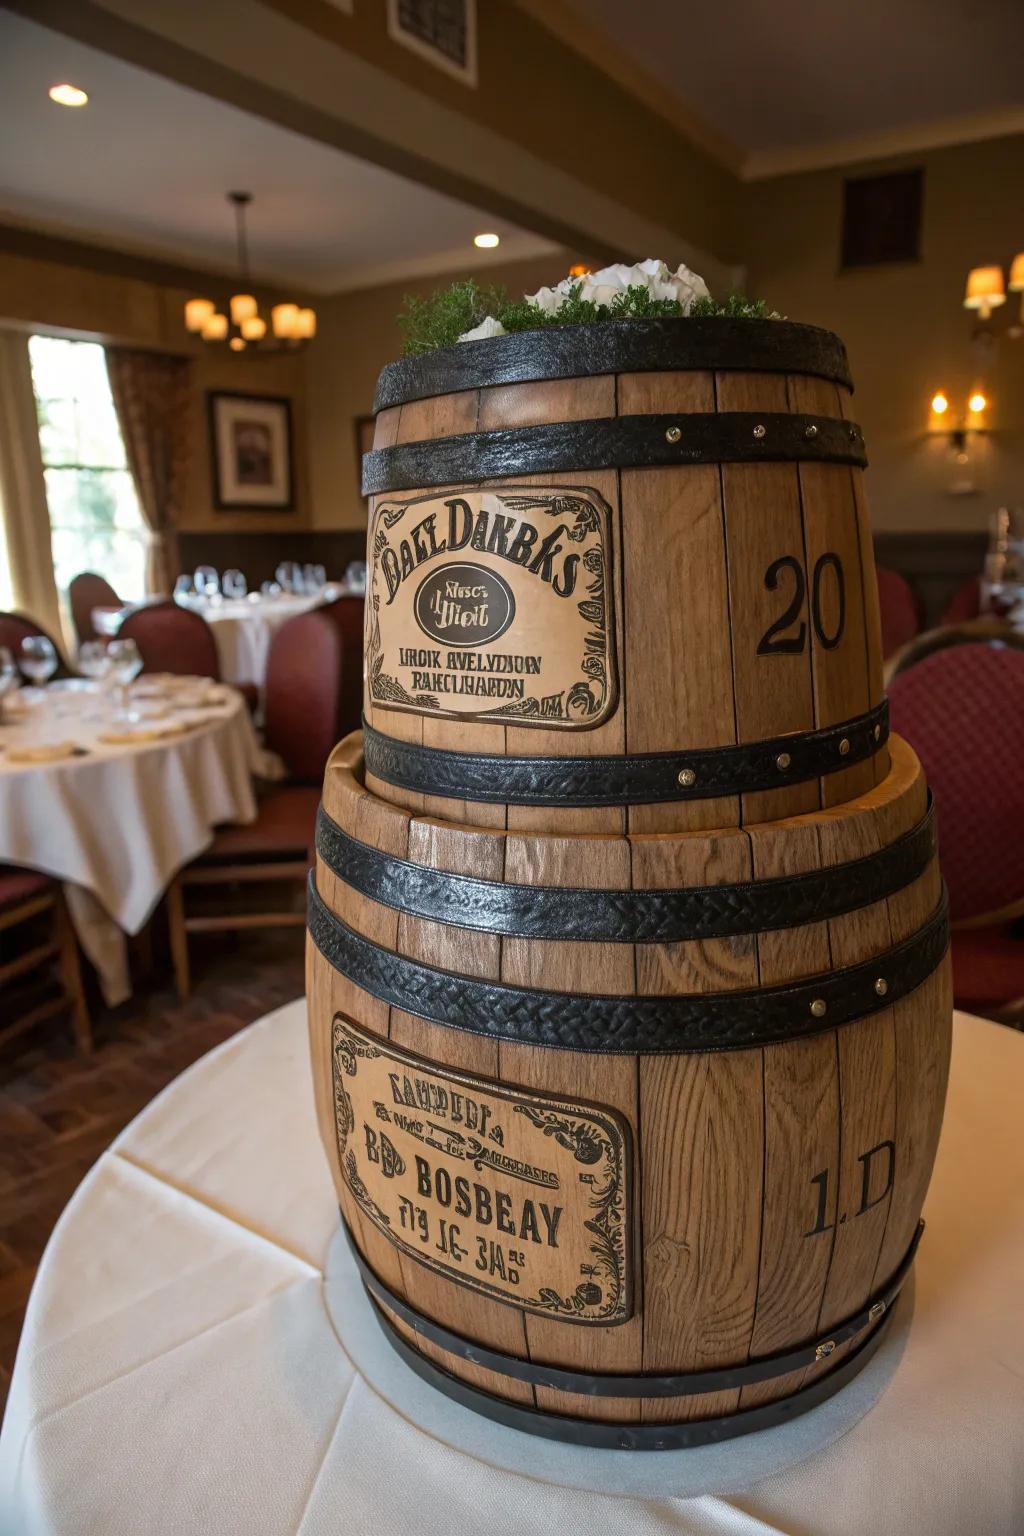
(117,824)
(243,629)
(177,1371)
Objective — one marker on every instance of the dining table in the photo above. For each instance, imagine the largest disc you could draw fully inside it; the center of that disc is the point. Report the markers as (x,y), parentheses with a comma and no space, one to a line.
(243,627)
(199,1355)
(113,807)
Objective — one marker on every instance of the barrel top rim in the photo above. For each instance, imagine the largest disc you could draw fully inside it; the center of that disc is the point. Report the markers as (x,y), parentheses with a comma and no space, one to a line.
(708,342)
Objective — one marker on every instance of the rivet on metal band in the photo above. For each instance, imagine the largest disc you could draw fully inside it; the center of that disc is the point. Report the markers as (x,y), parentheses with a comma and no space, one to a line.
(620,1024)
(638,779)
(663,916)
(612,442)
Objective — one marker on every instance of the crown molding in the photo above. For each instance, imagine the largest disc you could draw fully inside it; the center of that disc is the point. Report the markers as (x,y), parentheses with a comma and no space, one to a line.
(946,133)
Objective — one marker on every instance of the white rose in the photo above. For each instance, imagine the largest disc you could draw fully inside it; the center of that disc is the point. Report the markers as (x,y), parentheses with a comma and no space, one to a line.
(487,327)
(653,271)
(547,300)
(689,286)
(600,293)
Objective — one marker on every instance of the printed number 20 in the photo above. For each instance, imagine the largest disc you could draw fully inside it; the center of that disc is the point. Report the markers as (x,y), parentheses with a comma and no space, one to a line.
(775,640)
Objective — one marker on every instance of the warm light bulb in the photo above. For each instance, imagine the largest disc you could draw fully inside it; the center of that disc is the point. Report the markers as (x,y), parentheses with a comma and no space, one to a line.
(215,328)
(305,324)
(579,270)
(197,312)
(283,317)
(254,329)
(939,403)
(243,307)
(68,95)
(486,242)
(977,402)
(236,344)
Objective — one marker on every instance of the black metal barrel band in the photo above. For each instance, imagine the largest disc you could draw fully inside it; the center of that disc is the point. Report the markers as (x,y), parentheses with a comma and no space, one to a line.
(615,1024)
(602,1435)
(639,779)
(641,1383)
(627,916)
(717,344)
(613,442)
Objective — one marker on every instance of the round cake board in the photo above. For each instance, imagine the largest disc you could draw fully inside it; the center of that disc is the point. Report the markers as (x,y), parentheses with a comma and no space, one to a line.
(730,1467)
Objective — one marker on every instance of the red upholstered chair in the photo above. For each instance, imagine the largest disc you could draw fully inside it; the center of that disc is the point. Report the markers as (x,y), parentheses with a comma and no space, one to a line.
(962,710)
(304,694)
(86,592)
(347,614)
(27,897)
(965,602)
(901,614)
(15,627)
(172,639)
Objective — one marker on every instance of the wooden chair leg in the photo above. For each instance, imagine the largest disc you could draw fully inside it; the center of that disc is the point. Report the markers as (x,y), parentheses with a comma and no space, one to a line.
(179,938)
(71,976)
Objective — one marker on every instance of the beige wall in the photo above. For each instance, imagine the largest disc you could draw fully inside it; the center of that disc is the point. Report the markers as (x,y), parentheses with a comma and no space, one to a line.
(111,307)
(904,326)
(358,334)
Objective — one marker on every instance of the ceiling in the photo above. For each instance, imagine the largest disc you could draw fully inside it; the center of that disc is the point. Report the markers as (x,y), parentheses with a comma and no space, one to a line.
(145,166)
(810,82)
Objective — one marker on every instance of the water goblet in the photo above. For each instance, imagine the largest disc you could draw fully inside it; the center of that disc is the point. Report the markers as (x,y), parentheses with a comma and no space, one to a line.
(37,658)
(9,677)
(207,581)
(234,584)
(125,666)
(184,590)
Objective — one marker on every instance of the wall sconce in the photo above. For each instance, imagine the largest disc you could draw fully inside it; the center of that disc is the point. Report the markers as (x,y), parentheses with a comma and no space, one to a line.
(986,291)
(959,431)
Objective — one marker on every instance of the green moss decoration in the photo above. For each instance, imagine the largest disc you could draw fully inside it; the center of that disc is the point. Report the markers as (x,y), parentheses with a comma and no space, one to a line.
(438,321)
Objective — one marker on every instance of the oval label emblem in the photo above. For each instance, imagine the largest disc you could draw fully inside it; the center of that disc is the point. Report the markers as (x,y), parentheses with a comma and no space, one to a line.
(464,604)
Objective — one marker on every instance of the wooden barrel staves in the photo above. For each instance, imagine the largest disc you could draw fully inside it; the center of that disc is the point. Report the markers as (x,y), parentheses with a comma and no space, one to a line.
(631,1133)
(621,580)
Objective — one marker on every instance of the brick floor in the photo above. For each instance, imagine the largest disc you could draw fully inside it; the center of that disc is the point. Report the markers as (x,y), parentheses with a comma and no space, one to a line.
(58,1111)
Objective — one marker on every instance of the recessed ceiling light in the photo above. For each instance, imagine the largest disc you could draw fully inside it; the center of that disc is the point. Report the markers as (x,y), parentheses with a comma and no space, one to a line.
(68,95)
(487,242)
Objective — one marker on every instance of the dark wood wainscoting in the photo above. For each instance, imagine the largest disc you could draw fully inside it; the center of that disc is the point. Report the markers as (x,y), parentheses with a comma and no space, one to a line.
(935,564)
(258,555)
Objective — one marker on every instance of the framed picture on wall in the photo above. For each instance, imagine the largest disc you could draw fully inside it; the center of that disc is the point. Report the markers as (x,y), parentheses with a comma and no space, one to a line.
(251,444)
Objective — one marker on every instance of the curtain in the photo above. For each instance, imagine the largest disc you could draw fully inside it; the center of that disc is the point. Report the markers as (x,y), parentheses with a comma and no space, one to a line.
(151,396)
(23,509)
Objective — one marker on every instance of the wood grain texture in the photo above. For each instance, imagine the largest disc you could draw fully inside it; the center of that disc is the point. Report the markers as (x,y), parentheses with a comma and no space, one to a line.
(763,1212)
(602,1080)
(678,650)
(841,675)
(773,689)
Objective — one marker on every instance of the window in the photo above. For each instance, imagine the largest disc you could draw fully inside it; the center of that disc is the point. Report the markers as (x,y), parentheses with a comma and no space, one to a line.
(95,521)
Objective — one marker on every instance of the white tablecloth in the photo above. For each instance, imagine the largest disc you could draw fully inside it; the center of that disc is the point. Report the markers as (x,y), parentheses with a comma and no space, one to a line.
(243,631)
(178,1373)
(116,824)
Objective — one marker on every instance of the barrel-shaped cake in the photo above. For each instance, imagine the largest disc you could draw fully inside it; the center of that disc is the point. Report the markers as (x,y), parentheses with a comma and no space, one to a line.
(628,989)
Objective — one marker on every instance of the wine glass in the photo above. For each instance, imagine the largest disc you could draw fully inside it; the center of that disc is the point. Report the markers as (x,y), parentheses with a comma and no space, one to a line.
(207,581)
(289,576)
(234,584)
(355,576)
(38,659)
(94,660)
(125,666)
(270,589)
(9,677)
(184,590)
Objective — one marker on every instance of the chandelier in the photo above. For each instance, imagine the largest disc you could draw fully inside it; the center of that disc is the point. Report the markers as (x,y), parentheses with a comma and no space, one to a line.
(243,326)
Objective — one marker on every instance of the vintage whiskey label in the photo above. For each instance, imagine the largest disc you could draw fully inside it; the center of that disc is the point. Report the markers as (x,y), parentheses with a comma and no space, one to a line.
(493,605)
(520,1196)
